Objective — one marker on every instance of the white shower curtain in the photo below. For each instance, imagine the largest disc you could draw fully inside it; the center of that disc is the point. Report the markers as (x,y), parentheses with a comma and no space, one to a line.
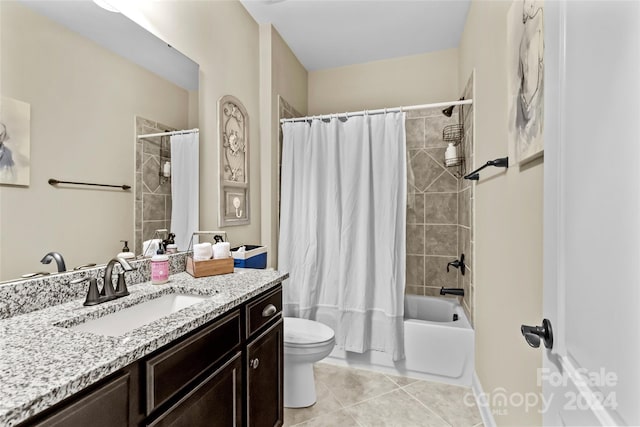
(184,187)
(342,228)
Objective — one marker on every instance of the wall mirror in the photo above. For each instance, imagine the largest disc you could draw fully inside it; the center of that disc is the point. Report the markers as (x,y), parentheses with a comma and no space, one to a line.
(233,126)
(92,80)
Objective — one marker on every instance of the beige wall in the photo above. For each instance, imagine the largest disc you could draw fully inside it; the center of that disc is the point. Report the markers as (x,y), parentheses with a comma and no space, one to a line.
(409,80)
(281,74)
(508,224)
(290,78)
(223,38)
(256,66)
(82,129)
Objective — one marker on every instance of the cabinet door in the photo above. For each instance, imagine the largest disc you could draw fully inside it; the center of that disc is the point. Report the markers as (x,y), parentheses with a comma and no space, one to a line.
(265,378)
(170,371)
(105,406)
(216,401)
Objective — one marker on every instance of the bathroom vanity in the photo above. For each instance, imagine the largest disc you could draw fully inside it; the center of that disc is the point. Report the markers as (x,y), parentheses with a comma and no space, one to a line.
(216,362)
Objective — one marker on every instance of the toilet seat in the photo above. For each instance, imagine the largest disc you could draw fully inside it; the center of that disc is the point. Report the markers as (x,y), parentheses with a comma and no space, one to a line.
(305,333)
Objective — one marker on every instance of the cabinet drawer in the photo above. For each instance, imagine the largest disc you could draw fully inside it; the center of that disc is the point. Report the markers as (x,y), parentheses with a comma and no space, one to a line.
(215,402)
(168,372)
(106,406)
(264,309)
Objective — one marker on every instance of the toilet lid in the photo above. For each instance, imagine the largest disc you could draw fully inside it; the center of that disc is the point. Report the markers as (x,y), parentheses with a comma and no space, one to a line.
(302,331)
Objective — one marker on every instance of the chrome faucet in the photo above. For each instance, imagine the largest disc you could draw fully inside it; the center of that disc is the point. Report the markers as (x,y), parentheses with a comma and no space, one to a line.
(58,258)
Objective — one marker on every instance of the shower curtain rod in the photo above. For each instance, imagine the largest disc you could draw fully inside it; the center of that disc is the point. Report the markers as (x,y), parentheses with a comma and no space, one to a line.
(381,111)
(176,132)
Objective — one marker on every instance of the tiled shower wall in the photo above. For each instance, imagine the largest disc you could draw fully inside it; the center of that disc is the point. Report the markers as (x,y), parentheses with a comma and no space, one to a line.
(432,213)
(439,215)
(153,194)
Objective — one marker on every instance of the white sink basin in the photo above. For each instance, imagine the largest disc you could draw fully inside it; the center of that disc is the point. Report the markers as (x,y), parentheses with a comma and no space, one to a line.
(130,318)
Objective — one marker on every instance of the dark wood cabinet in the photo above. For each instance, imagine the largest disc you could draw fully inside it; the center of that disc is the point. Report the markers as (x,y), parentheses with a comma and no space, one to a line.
(215,402)
(228,372)
(168,372)
(104,405)
(263,310)
(265,364)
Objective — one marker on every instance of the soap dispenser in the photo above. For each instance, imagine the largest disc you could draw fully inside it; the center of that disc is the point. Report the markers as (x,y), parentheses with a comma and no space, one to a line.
(126,253)
(159,268)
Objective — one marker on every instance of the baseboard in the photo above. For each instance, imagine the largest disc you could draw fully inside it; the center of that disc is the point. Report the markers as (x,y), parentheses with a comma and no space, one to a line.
(481,402)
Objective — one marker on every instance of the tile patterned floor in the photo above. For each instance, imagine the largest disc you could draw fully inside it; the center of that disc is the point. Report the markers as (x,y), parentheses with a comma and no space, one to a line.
(353,397)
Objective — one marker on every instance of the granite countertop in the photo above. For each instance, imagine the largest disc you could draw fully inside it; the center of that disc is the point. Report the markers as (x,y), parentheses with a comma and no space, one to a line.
(42,361)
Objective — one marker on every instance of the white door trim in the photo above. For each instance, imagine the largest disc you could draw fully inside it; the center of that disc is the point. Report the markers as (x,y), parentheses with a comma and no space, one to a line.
(589,396)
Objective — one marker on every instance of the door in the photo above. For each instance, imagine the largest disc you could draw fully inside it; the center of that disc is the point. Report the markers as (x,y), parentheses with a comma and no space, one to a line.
(592,213)
(215,402)
(265,377)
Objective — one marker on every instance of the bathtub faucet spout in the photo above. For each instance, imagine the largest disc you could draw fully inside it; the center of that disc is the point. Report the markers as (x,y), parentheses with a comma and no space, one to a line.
(452,291)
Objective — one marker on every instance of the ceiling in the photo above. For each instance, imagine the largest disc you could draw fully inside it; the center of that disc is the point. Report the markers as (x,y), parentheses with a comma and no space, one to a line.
(334,33)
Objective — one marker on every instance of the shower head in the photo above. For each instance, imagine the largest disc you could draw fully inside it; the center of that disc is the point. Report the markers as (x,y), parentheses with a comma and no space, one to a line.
(449,110)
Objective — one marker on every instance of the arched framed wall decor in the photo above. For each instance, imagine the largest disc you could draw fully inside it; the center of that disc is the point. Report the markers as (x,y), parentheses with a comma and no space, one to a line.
(233,132)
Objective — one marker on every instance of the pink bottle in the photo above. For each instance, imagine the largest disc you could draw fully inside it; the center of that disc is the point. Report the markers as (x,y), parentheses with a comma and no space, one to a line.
(159,269)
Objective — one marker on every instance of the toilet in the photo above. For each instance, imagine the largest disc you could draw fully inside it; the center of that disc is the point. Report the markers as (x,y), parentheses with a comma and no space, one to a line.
(305,343)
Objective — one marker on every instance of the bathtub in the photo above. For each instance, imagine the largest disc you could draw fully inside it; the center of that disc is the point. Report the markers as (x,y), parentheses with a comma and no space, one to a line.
(437,347)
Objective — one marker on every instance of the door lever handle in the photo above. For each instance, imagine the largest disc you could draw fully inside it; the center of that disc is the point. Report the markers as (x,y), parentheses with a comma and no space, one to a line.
(533,334)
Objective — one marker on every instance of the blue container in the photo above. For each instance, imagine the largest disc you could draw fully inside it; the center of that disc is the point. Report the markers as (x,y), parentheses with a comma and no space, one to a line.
(253,257)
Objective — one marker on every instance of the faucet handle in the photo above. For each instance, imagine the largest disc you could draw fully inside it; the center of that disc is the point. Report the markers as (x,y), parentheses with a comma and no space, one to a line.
(80,267)
(80,280)
(93,296)
(121,287)
(459,263)
(31,275)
